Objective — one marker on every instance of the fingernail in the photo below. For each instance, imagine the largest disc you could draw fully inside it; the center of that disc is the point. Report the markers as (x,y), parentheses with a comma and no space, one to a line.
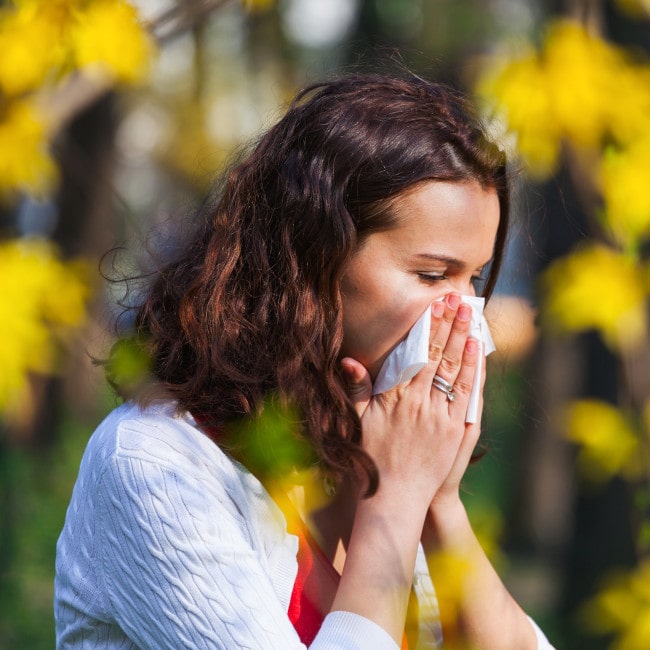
(471,346)
(438,309)
(464,312)
(453,300)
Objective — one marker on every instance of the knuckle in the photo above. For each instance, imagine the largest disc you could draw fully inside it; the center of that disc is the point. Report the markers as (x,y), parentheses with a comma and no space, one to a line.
(461,326)
(450,364)
(463,387)
(355,389)
(435,352)
(394,395)
(449,317)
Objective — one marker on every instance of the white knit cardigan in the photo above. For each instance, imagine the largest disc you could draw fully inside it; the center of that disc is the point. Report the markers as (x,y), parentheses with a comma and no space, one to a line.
(169,543)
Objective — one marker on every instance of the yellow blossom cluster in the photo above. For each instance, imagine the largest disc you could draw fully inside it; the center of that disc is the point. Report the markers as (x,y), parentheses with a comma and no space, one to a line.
(624,178)
(597,287)
(43,299)
(580,91)
(108,39)
(623,607)
(608,444)
(563,92)
(42,42)
(44,39)
(24,160)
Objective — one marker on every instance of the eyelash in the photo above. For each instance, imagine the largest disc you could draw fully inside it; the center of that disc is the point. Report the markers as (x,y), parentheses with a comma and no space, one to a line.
(430,277)
(477,280)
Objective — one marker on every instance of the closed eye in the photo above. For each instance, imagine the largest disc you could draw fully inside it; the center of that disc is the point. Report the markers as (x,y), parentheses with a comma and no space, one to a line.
(432,277)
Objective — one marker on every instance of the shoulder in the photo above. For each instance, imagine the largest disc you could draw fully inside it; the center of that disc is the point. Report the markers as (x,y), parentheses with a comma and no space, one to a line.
(158,451)
(161,517)
(153,469)
(139,455)
(155,434)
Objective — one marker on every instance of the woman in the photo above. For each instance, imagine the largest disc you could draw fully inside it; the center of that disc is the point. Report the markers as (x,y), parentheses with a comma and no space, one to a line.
(371,200)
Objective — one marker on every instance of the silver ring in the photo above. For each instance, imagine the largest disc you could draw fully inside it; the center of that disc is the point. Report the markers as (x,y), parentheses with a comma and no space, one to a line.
(444,386)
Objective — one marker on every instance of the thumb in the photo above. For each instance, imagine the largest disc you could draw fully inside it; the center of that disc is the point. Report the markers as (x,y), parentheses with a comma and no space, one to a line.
(359,383)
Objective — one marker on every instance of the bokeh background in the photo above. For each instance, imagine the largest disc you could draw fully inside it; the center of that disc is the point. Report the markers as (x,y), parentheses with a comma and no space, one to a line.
(115,120)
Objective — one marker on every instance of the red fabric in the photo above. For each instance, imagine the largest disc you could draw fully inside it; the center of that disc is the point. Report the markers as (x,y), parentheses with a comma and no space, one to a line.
(314,588)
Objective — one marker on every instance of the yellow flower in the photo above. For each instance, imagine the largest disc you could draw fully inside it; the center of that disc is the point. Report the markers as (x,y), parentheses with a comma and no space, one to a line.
(577,88)
(109,40)
(608,445)
(520,90)
(597,287)
(622,607)
(450,573)
(42,299)
(625,191)
(582,73)
(25,163)
(33,44)
(629,114)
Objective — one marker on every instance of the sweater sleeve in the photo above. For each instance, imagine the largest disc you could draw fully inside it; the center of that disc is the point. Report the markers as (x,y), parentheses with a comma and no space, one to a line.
(181,571)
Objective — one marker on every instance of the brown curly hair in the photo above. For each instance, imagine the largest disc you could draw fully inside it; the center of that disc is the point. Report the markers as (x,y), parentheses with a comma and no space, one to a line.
(252,306)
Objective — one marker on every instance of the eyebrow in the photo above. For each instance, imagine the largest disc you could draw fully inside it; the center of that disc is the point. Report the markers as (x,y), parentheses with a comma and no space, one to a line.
(445,259)
(449,261)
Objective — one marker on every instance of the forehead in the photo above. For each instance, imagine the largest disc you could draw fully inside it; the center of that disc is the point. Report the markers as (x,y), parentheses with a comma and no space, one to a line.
(457,219)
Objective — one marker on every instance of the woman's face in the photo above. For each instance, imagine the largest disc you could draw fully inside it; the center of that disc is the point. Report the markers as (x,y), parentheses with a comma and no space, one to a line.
(444,236)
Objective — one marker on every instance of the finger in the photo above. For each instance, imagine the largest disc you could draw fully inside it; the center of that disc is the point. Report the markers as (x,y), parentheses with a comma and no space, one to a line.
(443,315)
(465,378)
(359,383)
(452,356)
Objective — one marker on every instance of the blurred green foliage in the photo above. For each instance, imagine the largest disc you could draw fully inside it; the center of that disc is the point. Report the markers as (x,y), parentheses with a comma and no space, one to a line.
(35,489)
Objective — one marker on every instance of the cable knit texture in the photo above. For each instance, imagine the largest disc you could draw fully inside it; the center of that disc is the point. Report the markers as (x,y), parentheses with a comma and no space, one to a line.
(170,544)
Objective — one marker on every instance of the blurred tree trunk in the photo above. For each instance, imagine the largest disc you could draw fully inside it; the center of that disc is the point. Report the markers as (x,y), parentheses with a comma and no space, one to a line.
(86,205)
(86,226)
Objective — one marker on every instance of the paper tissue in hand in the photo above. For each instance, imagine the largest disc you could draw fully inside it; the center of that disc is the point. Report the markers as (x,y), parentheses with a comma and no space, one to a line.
(412,354)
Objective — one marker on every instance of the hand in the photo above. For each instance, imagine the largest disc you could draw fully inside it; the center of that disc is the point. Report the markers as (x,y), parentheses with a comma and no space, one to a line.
(412,432)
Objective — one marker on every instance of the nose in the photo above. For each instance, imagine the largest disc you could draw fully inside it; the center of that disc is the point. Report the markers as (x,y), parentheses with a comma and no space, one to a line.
(465,287)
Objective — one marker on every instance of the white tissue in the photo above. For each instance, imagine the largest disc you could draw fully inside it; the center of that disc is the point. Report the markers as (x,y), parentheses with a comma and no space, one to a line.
(407,358)
(412,354)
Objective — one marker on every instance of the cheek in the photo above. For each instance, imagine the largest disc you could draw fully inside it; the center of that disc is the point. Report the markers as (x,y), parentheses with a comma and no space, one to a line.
(369,340)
